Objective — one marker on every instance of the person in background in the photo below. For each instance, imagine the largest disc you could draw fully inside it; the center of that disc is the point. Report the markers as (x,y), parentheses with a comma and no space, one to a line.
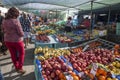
(26,25)
(29,17)
(69,25)
(86,23)
(1,75)
(13,37)
(3,48)
(35,21)
(45,20)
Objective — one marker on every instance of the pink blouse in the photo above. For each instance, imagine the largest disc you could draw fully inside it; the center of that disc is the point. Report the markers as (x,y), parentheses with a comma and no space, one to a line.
(12,30)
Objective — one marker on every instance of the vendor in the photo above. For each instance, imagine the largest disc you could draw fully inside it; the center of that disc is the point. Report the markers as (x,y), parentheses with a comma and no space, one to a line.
(86,23)
(69,25)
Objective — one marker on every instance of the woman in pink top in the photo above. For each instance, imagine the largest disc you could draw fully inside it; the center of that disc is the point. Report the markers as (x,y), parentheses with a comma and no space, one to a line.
(13,37)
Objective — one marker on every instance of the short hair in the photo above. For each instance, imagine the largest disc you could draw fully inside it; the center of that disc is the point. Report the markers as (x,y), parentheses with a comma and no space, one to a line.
(12,13)
(69,18)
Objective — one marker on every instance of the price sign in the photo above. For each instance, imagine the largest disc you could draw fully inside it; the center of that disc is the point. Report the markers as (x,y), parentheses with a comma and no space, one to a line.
(94,69)
(85,48)
(81,74)
(69,77)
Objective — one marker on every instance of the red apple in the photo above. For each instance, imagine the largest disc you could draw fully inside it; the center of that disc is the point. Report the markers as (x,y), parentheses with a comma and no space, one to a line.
(57,72)
(52,75)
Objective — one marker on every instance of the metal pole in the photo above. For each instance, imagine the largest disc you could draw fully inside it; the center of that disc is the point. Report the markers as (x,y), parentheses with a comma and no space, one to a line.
(91,20)
(68,13)
(108,22)
(56,14)
(109,15)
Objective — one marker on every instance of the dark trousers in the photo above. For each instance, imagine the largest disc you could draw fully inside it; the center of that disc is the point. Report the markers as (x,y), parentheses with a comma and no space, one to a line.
(3,48)
(68,29)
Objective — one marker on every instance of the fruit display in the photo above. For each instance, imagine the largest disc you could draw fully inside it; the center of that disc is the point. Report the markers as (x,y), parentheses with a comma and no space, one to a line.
(42,38)
(45,53)
(56,72)
(94,44)
(114,67)
(64,39)
(117,50)
(81,60)
(76,50)
(101,74)
(49,31)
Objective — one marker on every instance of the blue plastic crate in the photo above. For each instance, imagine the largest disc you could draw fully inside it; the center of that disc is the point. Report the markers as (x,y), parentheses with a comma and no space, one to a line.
(38,69)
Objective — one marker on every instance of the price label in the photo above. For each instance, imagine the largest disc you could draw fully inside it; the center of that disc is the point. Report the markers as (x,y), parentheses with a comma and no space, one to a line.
(69,77)
(81,74)
(94,69)
(85,48)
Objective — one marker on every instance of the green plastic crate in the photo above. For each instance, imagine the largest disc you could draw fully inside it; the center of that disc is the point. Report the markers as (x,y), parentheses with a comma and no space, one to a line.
(60,45)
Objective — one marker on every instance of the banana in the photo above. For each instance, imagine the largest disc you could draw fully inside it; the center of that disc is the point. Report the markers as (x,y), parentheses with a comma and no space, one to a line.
(41,58)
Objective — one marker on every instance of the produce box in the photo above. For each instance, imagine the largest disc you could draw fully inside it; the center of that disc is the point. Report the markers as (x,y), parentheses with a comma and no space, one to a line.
(38,68)
(63,38)
(59,71)
(48,44)
(46,53)
(37,44)
(114,67)
(60,45)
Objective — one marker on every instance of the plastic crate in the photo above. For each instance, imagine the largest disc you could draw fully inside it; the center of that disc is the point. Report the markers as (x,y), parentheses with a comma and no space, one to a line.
(60,45)
(37,44)
(38,74)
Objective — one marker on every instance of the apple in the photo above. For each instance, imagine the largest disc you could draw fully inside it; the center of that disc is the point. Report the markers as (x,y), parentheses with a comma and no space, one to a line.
(57,72)
(75,65)
(52,75)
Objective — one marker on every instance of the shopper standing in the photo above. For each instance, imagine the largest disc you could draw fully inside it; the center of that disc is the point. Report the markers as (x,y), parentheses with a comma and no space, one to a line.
(26,25)
(69,25)
(1,75)
(3,48)
(86,23)
(13,37)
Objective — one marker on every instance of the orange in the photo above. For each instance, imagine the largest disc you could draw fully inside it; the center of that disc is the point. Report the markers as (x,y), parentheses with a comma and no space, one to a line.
(116,46)
(75,78)
(61,76)
(91,76)
(73,74)
(101,77)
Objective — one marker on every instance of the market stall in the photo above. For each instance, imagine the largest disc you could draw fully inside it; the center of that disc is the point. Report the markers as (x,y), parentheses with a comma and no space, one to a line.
(76,55)
(98,61)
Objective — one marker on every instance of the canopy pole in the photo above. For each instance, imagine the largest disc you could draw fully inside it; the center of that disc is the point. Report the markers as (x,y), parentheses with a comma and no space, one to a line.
(56,14)
(109,15)
(108,22)
(68,14)
(91,20)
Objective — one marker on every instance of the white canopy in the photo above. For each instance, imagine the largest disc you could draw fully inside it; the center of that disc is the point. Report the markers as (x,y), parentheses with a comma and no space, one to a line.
(58,4)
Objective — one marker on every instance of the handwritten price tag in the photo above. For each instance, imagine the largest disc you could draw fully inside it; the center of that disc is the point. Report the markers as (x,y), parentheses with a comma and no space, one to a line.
(81,74)
(94,69)
(69,77)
